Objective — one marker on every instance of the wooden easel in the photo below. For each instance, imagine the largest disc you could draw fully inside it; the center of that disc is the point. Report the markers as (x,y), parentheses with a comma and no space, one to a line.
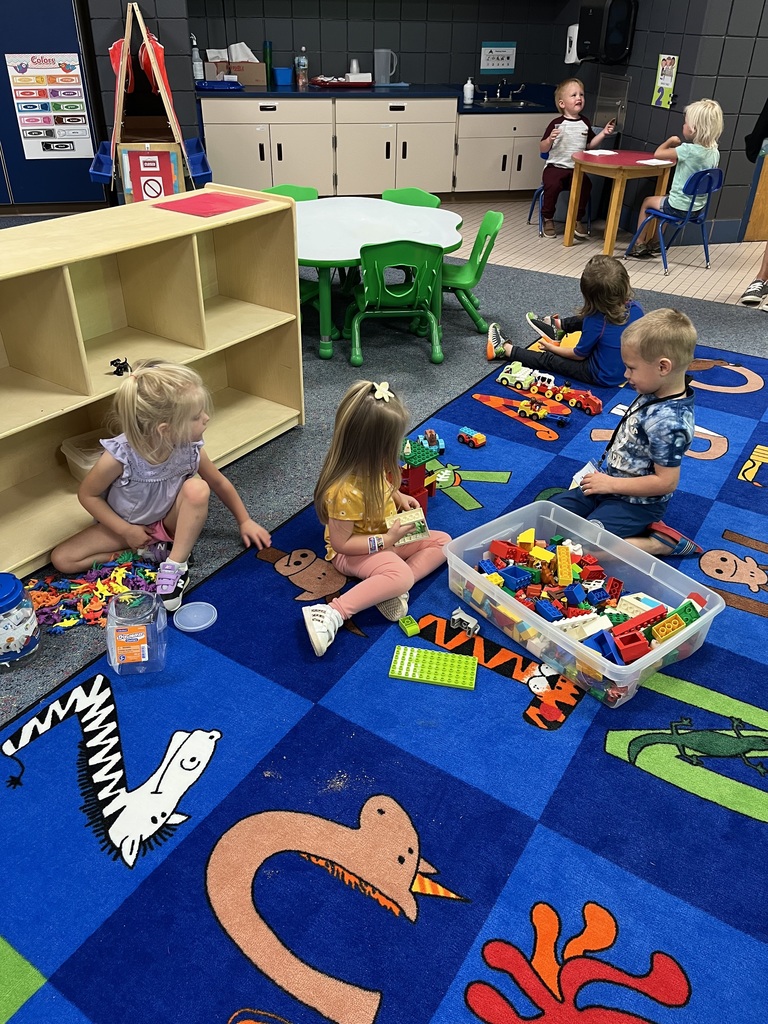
(165,95)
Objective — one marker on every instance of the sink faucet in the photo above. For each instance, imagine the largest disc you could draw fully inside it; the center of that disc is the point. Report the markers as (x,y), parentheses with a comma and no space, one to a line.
(516,92)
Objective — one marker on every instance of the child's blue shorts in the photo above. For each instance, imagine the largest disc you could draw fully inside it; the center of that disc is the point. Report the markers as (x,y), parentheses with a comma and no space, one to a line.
(620,517)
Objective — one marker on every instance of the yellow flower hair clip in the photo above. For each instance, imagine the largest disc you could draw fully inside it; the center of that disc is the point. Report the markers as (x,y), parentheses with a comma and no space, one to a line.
(382,390)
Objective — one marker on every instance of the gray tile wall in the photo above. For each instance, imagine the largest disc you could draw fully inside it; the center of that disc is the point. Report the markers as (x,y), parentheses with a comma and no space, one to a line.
(437,41)
(722,46)
(723,55)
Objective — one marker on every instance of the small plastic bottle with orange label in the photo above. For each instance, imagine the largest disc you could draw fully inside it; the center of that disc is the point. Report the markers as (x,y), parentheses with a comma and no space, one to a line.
(136,625)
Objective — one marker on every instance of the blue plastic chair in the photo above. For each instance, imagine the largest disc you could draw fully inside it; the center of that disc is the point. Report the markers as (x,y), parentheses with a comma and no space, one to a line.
(538,195)
(700,183)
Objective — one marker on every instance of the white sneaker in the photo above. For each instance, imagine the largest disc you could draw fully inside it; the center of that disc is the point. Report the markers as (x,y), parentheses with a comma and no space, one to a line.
(394,608)
(322,624)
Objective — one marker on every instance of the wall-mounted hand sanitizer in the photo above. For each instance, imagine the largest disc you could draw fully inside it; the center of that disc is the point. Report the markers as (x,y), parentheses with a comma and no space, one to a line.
(469,91)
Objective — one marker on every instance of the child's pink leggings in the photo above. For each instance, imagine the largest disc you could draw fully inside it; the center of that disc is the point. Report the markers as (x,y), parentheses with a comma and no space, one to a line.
(388,573)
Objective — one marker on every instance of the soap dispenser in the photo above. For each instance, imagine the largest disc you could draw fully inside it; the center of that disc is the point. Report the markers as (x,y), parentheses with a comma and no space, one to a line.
(469,91)
(198,70)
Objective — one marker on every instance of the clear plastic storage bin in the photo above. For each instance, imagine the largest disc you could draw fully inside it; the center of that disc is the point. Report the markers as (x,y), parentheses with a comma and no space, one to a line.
(136,633)
(82,452)
(639,572)
(19,629)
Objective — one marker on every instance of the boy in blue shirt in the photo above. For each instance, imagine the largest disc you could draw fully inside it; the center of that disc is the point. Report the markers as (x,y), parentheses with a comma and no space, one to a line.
(630,495)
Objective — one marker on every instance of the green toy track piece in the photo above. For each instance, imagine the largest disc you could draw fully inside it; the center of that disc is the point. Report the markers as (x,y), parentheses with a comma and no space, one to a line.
(437,667)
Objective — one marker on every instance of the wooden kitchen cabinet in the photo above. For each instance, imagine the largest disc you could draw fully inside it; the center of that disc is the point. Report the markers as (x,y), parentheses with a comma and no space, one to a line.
(499,152)
(385,143)
(257,143)
(218,292)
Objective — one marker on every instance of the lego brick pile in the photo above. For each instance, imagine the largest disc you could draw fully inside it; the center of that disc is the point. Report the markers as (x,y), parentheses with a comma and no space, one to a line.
(571,591)
(61,603)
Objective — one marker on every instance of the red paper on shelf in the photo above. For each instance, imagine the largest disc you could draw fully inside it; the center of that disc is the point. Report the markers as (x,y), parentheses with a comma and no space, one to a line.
(209,204)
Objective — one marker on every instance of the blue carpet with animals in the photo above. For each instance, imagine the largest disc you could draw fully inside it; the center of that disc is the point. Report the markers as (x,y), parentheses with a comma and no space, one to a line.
(258,835)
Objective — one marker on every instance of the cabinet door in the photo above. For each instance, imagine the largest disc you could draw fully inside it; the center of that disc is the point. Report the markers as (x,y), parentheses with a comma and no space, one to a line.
(527,164)
(365,158)
(483,165)
(425,156)
(302,154)
(239,154)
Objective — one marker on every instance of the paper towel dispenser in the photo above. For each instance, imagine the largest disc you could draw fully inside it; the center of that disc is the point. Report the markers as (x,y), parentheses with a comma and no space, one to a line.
(606,28)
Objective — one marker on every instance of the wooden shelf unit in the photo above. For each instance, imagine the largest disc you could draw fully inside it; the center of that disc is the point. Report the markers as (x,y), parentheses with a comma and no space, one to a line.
(218,292)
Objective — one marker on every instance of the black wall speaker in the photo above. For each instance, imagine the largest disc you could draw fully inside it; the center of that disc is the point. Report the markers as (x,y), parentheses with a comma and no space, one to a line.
(606,28)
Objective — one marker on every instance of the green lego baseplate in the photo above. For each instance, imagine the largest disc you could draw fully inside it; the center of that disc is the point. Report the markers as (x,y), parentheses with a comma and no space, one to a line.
(417,454)
(437,667)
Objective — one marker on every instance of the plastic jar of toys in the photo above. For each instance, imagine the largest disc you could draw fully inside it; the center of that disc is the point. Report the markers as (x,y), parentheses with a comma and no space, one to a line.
(136,638)
(19,629)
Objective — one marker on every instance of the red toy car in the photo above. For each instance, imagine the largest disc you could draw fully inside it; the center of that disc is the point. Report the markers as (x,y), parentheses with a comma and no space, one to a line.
(583,400)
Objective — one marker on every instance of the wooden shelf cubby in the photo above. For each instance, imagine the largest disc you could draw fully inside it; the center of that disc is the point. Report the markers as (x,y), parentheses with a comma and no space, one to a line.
(219,292)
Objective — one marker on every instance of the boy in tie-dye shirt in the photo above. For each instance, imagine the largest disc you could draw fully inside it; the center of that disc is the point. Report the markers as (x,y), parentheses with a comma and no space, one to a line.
(629,494)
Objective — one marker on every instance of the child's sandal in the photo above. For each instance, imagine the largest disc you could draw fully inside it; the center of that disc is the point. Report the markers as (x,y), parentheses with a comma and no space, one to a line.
(680,546)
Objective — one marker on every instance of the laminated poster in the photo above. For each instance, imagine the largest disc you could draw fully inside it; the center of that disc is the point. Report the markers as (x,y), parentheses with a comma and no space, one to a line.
(665,81)
(50,105)
(497,58)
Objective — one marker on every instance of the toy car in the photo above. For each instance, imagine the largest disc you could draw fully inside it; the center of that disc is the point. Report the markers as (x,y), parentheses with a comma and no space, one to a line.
(471,438)
(461,620)
(515,375)
(430,439)
(583,400)
(531,408)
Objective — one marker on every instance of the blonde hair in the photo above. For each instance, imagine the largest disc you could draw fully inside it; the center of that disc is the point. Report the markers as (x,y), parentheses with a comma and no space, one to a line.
(158,394)
(562,87)
(606,289)
(367,437)
(663,334)
(705,117)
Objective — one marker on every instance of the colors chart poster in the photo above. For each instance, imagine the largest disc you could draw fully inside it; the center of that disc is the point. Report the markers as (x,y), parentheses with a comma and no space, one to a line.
(50,103)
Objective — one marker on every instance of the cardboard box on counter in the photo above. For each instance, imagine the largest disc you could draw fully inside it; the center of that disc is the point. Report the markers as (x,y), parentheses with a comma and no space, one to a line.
(248,72)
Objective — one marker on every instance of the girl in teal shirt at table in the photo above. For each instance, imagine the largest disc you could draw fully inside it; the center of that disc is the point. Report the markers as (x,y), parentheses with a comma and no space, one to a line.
(696,151)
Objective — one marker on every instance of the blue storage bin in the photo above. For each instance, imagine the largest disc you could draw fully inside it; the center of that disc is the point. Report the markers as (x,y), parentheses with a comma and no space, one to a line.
(102,167)
(283,76)
(199,167)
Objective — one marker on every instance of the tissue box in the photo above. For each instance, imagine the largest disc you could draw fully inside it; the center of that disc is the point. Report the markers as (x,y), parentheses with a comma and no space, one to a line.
(248,72)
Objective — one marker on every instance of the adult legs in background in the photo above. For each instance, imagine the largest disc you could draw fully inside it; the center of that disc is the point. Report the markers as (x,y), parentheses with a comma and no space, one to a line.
(758,290)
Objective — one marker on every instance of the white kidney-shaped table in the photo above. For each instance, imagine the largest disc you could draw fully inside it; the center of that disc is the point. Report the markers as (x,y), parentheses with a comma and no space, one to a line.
(331,232)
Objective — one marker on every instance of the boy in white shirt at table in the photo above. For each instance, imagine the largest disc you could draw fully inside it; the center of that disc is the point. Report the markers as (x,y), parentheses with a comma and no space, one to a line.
(567,134)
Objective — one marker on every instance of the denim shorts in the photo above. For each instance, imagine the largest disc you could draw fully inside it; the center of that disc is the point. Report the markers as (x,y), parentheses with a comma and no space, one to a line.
(618,516)
(672,210)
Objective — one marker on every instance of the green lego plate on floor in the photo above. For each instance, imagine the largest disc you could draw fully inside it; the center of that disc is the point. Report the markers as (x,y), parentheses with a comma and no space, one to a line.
(437,667)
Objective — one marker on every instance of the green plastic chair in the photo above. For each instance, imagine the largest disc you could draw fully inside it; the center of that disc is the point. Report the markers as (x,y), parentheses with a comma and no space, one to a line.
(461,280)
(299,193)
(377,297)
(411,197)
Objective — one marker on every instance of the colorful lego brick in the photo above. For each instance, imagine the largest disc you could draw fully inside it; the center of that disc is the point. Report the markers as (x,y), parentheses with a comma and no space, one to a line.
(534,572)
(589,560)
(541,554)
(616,617)
(688,611)
(614,587)
(667,627)
(486,566)
(548,611)
(631,645)
(574,613)
(648,618)
(564,570)
(592,572)
(527,539)
(557,540)
(503,549)
(575,594)
(515,576)
(409,625)
(547,576)
(598,596)
(631,605)
(438,667)
(576,570)
(496,578)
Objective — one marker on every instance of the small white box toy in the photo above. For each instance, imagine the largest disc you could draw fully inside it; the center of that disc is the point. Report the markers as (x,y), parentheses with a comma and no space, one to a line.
(462,620)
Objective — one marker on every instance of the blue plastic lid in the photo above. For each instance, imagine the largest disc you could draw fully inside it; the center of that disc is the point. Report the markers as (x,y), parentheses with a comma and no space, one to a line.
(11,591)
